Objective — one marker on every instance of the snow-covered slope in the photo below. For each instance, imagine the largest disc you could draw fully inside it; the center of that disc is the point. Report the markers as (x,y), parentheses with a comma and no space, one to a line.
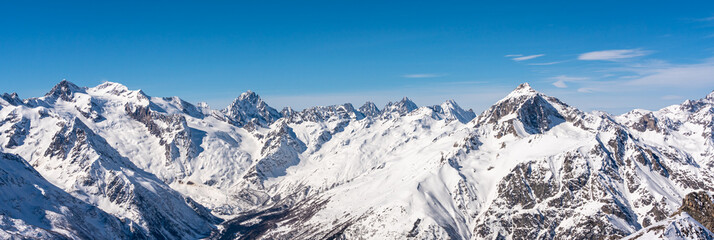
(529,167)
(34,208)
(679,227)
(56,138)
(693,220)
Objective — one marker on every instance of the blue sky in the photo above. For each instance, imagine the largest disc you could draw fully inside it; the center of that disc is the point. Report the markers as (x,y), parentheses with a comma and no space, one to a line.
(603,55)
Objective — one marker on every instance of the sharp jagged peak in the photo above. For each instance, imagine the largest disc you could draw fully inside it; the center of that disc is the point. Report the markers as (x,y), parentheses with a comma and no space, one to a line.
(404,106)
(406,100)
(64,90)
(249,96)
(369,109)
(524,89)
(287,111)
(249,107)
(450,103)
(12,98)
(368,104)
(710,96)
(524,86)
(536,111)
(11,95)
(452,111)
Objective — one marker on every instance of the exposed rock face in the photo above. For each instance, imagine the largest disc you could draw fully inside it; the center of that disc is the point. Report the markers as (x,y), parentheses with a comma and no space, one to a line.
(452,111)
(173,132)
(330,113)
(402,107)
(680,226)
(700,206)
(693,220)
(533,202)
(17,132)
(646,122)
(11,99)
(64,90)
(369,109)
(34,208)
(249,108)
(280,151)
(96,172)
(526,111)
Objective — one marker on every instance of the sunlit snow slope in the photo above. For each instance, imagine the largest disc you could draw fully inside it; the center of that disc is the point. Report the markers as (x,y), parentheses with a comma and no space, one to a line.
(529,167)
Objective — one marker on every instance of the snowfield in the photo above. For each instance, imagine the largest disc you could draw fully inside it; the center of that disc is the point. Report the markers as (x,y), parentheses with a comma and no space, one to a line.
(111,163)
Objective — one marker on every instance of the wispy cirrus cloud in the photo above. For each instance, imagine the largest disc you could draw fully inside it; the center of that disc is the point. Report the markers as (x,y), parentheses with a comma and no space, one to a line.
(560,81)
(529,57)
(545,63)
(613,55)
(649,76)
(586,90)
(423,75)
(687,75)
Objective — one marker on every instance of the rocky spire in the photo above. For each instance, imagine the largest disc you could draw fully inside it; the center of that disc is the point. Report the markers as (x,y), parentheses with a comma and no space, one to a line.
(369,109)
(63,90)
(249,107)
(12,99)
(402,107)
(537,112)
(452,111)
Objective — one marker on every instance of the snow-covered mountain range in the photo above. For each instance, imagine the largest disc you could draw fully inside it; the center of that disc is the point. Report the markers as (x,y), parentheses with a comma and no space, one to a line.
(107,162)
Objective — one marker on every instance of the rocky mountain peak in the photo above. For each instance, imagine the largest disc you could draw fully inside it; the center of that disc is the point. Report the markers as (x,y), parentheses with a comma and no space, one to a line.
(287,112)
(64,90)
(118,89)
(525,86)
(452,111)
(700,206)
(402,107)
(524,89)
(536,111)
(249,96)
(12,98)
(710,96)
(249,107)
(369,109)
(325,113)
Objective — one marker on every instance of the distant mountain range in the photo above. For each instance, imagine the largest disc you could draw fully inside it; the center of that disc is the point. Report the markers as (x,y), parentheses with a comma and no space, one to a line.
(111,163)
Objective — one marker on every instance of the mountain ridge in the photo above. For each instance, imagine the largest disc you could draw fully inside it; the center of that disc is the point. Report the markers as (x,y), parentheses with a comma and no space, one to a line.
(530,166)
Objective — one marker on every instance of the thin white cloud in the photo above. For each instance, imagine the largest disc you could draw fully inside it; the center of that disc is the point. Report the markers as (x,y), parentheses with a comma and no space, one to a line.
(560,84)
(422,75)
(513,55)
(560,81)
(529,57)
(586,90)
(691,75)
(545,63)
(613,55)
